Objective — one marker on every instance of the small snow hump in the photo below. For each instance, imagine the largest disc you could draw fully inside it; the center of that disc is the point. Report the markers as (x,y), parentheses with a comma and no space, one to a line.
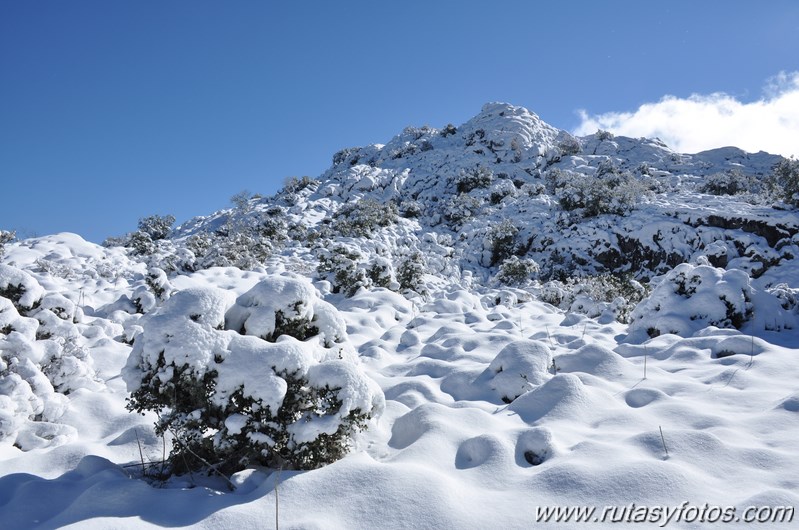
(518,368)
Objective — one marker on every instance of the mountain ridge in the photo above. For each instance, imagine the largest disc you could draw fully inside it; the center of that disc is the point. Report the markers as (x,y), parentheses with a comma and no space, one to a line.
(507,164)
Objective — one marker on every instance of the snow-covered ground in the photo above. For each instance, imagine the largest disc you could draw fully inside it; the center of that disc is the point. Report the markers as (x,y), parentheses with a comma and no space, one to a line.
(448,452)
(495,404)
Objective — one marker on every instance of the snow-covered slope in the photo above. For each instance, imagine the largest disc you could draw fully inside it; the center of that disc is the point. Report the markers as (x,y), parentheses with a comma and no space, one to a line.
(484,275)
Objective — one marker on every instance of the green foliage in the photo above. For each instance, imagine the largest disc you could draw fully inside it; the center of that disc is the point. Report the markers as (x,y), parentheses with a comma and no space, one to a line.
(363,218)
(380,273)
(186,408)
(6,236)
(15,292)
(480,177)
(610,191)
(342,268)
(460,208)
(786,173)
(410,273)
(592,295)
(732,182)
(156,226)
(230,427)
(502,240)
(569,145)
(516,272)
(294,185)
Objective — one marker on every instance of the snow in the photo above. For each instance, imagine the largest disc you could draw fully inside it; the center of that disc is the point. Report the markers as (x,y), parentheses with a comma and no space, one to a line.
(487,401)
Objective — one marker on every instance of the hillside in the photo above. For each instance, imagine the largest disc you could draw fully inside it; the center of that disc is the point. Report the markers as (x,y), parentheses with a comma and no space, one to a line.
(485,319)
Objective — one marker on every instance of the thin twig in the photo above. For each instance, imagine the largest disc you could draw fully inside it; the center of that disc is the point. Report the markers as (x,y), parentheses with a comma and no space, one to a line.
(203,460)
(662,439)
(277,499)
(162,472)
(141,454)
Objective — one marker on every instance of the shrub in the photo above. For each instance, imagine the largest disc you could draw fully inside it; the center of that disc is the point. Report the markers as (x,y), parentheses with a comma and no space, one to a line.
(6,237)
(381,273)
(242,248)
(461,208)
(569,145)
(41,360)
(268,380)
(516,272)
(363,218)
(501,240)
(731,182)
(480,177)
(410,273)
(608,192)
(411,209)
(294,185)
(501,189)
(20,288)
(692,297)
(156,226)
(448,130)
(603,135)
(786,173)
(343,268)
(596,295)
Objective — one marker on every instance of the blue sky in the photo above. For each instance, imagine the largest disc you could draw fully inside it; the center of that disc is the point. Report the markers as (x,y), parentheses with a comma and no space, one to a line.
(114,110)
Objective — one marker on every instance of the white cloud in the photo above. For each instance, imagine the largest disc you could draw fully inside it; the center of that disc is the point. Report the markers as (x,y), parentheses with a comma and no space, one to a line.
(700,122)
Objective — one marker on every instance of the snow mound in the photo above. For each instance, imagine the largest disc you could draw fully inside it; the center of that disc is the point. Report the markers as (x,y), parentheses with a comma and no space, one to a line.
(692,297)
(518,368)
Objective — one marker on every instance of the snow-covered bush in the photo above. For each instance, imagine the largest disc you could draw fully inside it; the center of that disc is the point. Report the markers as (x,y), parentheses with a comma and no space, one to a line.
(410,273)
(294,185)
(151,291)
(786,174)
(595,296)
(501,240)
(516,272)
(460,208)
(348,270)
(41,360)
(363,218)
(518,368)
(6,237)
(466,181)
(20,287)
(500,190)
(731,182)
(381,273)
(156,226)
(269,379)
(610,191)
(568,145)
(143,241)
(237,247)
(411,209)
(692,297)
(343,268)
